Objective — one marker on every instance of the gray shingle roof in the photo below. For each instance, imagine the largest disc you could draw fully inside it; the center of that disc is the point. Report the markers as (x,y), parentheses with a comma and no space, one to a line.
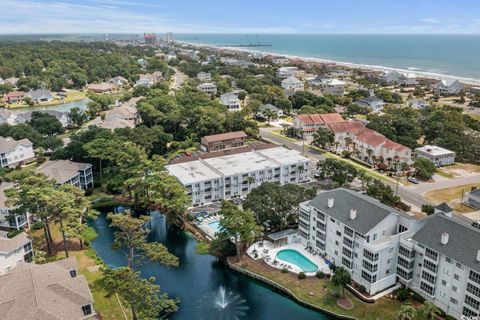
(444,207)
(8,144)
(46,291)
(463,243)
(61,170)
(7,245)
(370,211)
(281,234)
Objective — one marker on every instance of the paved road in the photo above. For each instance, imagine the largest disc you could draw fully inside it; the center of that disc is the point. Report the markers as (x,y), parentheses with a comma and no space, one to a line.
(407,194)
(177,80)
(430,186)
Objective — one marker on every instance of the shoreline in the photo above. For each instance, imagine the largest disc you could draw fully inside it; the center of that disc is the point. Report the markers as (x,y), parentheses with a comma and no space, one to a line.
(352,65)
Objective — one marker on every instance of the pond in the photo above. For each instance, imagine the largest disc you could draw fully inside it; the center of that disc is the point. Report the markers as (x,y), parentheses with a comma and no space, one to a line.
(64,107)
(207,289)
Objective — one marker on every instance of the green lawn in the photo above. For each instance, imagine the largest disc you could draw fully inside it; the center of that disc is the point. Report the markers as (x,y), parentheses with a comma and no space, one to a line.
(312,290)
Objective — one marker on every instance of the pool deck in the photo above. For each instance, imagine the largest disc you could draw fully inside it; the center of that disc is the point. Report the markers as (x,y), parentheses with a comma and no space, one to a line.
(268,253)
(206,228)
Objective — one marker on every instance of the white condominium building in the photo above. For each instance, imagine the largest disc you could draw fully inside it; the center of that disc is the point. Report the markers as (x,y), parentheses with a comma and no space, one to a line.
(208,87)
(232,176)
(285,72)
(8,217)
(357,232)
(438,257)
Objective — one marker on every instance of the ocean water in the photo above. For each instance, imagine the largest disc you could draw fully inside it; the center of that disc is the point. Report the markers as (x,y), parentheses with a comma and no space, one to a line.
(453,55)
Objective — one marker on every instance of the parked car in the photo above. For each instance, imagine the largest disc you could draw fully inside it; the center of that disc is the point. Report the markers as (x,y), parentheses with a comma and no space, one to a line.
(413,180)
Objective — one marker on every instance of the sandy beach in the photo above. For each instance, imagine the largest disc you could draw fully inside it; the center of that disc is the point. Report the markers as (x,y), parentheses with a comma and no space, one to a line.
(365,67)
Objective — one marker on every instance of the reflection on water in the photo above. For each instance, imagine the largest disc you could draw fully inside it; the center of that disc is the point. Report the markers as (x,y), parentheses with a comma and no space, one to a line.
(198,279)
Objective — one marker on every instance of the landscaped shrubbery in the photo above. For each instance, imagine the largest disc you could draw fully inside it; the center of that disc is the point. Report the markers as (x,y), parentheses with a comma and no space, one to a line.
(13,233)
(37,225)
(320,275)
(284,270)
(301,275)
(401,294)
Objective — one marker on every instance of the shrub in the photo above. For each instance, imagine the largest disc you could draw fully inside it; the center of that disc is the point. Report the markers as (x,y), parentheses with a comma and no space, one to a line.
(417,297)
(320,274)
(301,275)
(202,248)
(37,225)
(362,288)
(13,233)
(284,270)
(402,294)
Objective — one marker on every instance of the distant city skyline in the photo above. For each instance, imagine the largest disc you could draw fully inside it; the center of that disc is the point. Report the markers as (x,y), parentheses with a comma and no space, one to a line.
(247,16)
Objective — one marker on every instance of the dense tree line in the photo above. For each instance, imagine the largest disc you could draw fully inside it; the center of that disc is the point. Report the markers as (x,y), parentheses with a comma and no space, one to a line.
(60,64)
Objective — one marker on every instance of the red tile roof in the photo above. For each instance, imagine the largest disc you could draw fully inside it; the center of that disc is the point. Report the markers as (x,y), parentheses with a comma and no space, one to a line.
(346,126)
(370,137)
(389,144)
(324,118)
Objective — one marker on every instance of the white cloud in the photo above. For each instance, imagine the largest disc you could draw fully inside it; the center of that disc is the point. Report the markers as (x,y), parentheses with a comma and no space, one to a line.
(431,20)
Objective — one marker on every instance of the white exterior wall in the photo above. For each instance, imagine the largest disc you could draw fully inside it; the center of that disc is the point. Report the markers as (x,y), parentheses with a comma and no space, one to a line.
(334,90)
(19,154)
(439,160)
(385,245)
(236,186)
(9,260)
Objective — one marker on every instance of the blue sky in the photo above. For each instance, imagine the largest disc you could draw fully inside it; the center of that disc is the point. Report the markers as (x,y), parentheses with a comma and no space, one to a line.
(246,16)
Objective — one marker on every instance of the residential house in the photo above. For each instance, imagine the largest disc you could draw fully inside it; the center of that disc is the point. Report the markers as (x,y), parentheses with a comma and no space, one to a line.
(204,76)
(170,56)
(127,111)
(63,117)
(407,79)
(13,251)
(52,290)
(40,95)
(223,141)
(285,72)
(437,257)
(103,87)
(149,79)
(261,113)
(66,171)
(8,217)
(231,101)
(333,87)
(417,104)
(292,85)
(318,80)
(374,103)
(389,77)
(208,87)
(8,117)
(440,156)
(14,97)
(447,86)
(307,124)
(142,62)
(14,153)
(118,81)
(358,233)
(232,174)
(474,198)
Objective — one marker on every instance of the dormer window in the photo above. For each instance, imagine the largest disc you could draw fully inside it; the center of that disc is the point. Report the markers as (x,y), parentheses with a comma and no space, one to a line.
(87,309)
(73,273)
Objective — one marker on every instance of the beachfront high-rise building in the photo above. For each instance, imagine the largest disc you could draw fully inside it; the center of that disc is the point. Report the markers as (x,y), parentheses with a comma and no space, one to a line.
(150,38)
(168,37)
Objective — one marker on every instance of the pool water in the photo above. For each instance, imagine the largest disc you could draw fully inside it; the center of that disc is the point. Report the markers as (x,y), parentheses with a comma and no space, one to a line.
(215,226)
(294,257)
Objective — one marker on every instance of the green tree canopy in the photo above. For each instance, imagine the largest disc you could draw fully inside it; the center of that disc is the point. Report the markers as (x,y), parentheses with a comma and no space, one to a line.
(339,171)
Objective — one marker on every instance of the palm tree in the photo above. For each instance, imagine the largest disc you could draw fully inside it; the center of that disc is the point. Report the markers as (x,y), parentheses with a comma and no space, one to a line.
(407,312)
(369,153)
(341,277)
(250,180)
(429,308)
(336,143)
(300,170)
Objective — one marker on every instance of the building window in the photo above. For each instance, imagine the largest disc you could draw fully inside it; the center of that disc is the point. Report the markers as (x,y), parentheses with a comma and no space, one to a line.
(456,277)
(431,254)
(426,288)
(369,277)
(427,276)
(430,266)
(346,263)
(469,313)
(475,304)
(87,309)
(473,289)
(453,300)
(475,277)
(369,255)
(370,267)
